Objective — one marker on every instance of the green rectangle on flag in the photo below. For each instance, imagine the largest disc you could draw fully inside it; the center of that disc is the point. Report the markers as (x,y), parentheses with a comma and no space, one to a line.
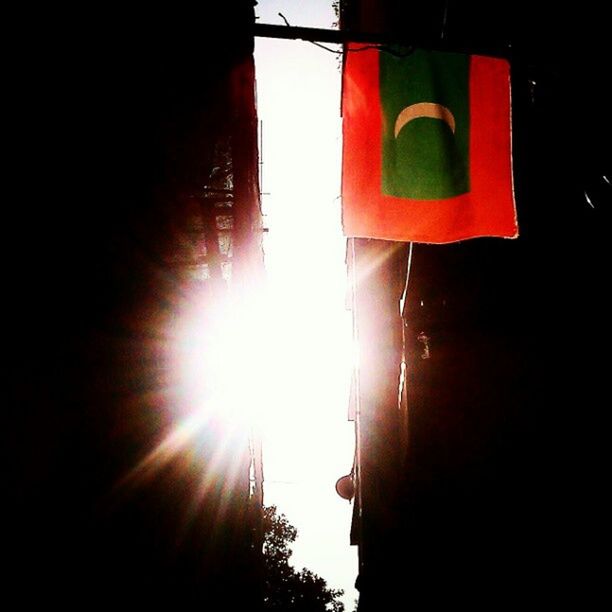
(426,124)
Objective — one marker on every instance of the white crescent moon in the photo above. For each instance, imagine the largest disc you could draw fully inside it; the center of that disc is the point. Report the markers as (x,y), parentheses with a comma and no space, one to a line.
(424,109)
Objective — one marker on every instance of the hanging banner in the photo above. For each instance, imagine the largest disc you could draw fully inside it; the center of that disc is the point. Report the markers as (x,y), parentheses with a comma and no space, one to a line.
(427,146)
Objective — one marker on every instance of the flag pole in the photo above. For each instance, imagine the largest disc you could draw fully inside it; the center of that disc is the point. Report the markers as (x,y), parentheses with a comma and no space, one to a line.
(268,30)
(340,37)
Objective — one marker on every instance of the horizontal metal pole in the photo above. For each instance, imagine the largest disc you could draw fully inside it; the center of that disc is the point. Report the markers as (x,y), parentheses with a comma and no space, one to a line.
(267,30)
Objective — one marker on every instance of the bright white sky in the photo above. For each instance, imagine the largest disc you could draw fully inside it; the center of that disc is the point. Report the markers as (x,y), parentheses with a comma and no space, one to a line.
(309,443)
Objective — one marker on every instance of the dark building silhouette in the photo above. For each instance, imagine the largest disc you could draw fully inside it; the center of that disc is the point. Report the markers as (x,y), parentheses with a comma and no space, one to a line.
(137,199)
(484,485)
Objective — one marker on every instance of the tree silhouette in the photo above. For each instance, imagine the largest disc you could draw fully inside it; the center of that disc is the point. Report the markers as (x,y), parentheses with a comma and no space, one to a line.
(285,588)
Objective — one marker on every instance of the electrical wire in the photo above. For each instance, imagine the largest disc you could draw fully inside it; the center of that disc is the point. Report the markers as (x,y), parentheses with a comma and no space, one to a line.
(383,48)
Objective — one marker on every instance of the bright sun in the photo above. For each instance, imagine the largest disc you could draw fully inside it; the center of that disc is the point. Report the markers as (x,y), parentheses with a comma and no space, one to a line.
(268,358)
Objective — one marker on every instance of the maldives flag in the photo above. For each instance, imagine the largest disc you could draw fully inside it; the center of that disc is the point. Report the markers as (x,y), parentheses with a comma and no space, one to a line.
(427,146)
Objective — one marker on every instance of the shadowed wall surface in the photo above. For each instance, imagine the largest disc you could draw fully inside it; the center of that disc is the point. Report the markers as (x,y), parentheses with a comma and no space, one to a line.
(127,117)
